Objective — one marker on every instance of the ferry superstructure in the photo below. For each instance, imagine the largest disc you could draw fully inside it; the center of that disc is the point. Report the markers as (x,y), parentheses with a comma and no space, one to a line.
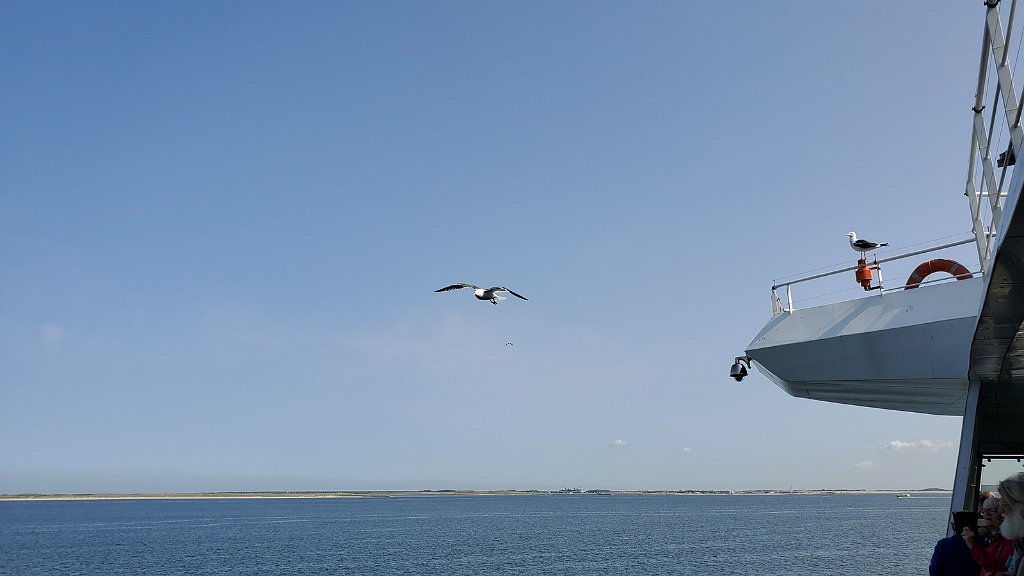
(948,340)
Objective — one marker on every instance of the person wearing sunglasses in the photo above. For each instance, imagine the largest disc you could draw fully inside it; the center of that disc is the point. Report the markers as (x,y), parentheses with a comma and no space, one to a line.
(992,557)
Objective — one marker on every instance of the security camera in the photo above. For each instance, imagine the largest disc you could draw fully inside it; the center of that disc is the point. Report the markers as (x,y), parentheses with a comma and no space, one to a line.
(738,370)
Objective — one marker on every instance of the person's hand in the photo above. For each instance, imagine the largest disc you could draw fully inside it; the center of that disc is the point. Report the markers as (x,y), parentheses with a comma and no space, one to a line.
(968,536)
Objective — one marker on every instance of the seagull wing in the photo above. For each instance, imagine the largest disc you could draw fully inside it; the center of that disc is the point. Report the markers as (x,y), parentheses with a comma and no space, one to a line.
(455,287)
(865,244)
(503,289)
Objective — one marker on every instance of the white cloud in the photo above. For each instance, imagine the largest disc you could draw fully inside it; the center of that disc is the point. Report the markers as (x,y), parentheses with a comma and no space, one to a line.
(919,446)
(687,450)
(620,443)
(866,466)
(51,333)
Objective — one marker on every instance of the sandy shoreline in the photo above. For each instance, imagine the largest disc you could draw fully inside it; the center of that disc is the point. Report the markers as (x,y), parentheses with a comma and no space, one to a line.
(428,493)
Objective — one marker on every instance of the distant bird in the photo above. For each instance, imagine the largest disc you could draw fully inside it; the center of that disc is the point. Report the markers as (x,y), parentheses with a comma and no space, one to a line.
(483,293)
(863,246)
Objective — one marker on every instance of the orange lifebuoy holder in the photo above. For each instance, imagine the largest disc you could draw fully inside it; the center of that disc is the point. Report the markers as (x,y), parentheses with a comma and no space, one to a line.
(938,265)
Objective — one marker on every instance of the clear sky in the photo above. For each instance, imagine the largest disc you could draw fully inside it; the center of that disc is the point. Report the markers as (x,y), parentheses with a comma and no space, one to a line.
(222,225)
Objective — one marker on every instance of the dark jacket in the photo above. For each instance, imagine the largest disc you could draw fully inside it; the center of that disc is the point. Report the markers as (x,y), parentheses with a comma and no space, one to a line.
(952,557)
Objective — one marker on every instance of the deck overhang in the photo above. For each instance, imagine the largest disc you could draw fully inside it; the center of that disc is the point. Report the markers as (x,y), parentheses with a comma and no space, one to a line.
(997,349)
(905,350)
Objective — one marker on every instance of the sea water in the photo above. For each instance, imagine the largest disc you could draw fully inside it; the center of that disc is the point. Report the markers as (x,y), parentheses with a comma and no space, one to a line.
(791,535)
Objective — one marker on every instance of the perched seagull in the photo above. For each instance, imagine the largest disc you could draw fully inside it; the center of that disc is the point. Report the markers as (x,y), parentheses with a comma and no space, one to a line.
(483,293)
(863,246)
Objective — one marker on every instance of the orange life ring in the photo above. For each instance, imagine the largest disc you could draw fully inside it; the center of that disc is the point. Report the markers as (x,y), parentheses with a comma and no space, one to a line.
(938,265)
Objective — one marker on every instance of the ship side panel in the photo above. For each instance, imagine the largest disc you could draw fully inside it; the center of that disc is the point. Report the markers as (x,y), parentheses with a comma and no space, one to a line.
(903,351)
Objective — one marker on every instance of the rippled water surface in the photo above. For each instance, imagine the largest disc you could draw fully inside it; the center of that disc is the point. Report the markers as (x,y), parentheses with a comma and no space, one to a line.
(862,534)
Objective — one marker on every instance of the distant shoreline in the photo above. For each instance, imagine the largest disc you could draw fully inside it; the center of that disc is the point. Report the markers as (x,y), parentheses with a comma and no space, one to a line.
(429,493)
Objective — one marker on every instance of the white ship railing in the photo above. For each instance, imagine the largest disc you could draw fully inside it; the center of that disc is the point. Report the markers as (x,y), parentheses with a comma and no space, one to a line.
(995,127)
(779,308)
(985,192)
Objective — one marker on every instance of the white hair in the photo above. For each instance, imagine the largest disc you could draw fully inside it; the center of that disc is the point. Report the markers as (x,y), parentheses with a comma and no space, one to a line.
(1012,491)
(1013,488)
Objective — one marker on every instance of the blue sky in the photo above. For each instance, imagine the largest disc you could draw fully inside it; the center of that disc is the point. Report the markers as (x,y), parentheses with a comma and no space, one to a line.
(222,223)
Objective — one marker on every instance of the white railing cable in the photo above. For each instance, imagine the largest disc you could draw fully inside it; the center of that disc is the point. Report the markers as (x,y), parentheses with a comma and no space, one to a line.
(779,308)
(876,261)
(926,282)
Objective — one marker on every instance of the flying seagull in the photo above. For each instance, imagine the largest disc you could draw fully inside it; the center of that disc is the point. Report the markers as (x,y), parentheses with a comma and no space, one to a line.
(863,246)
(483,293)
